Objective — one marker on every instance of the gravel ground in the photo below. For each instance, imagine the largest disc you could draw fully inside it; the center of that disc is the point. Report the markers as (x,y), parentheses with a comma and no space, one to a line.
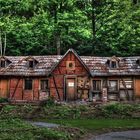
(126,135)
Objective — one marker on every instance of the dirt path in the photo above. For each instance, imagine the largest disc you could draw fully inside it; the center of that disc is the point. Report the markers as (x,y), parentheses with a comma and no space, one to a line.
(126,135)
(44,124)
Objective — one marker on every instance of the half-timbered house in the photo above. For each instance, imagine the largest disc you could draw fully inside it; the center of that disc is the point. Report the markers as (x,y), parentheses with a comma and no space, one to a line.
(70,77)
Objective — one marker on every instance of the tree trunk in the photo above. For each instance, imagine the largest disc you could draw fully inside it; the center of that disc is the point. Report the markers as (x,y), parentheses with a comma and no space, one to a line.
(0,43)
(58,44)
(93,20)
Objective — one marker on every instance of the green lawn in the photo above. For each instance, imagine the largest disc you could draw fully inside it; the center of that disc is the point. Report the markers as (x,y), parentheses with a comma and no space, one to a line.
(97,124)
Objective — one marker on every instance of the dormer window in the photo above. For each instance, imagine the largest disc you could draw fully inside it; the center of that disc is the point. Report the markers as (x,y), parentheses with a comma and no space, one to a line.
(138,62)
(2,63)
(31,64)
(113,64)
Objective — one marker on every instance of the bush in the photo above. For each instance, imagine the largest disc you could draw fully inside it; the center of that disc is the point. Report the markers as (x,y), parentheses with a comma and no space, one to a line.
(118,110)
(49,102)
(3,100)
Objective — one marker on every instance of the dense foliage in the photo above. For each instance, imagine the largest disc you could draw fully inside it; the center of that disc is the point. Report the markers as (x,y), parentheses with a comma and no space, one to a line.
(58,111)
(92,27)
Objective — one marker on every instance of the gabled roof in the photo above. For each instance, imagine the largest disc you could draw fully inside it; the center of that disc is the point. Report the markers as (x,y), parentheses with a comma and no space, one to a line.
(96,65)
(76,55)
(18,67)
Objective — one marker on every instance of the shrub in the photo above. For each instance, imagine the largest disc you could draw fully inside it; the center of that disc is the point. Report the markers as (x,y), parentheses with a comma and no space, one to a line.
(118,110)
(3,100)
(49,102)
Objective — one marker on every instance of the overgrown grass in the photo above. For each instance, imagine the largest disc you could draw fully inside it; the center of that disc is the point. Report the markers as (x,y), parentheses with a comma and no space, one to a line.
(16,129)
(98,124)
(55,111)
(87,117)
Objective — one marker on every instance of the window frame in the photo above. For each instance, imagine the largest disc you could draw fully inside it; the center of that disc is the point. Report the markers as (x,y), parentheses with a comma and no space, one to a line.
(26,87)
(47,84)
(68,67)
(111,65)
(31,64)
(117,86)
(121,86)
(95,90)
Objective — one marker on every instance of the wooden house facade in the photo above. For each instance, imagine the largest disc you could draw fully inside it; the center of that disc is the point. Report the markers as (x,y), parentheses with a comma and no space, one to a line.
(70,77)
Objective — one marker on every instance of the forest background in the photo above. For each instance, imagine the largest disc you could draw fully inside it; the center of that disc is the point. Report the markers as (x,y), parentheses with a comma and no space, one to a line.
(91,27)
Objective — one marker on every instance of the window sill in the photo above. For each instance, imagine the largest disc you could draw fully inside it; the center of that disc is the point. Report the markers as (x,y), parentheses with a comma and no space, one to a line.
(28,90)
(96,91)
(126,88)
(113,92)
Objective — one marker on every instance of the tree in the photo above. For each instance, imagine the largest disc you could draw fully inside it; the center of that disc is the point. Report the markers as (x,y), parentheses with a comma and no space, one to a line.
(92,27)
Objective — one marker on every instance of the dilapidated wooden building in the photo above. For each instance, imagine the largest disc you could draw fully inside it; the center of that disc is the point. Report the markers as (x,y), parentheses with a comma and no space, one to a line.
(70,77)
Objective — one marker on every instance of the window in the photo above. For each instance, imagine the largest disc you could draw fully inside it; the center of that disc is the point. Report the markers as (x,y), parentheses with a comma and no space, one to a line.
(70,65)
(44,85)
(2,63)
(113,85)
(97,85)
(126,83)
(113,64)
(28,84)
(138,62)
(31,64)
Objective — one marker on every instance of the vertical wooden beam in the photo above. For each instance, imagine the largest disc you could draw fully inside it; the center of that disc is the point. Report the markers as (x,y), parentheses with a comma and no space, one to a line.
(9,84)
(64,85)
(16,88)
(133,80)
(126,90)
(59,70)
(39,82)
(56,88)
(22,90)
(70,56)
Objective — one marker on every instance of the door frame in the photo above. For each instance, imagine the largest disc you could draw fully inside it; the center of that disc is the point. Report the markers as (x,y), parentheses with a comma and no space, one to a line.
(65,85)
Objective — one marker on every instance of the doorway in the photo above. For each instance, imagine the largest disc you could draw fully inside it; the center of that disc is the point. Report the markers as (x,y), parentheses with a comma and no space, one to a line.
(71,93)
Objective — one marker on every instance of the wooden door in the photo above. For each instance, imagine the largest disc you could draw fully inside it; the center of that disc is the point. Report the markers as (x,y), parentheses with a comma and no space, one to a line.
(70,89)
(4,88)
(137,87)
